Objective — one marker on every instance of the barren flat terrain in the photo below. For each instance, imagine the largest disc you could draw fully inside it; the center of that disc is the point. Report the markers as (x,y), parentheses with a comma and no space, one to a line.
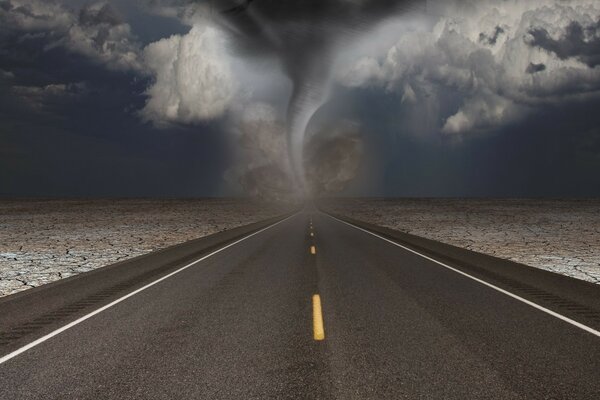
(557,235)
(45,240)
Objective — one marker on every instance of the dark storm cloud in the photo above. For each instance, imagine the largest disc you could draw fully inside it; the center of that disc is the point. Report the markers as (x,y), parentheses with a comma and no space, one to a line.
(532,68)
(32,16)
(96,31)
(23,10)
(302,32)
(493,38)
(297,29)
(105,14)
(582,43)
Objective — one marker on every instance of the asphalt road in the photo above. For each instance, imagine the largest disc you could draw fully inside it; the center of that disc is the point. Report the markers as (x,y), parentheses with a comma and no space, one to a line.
(239,325)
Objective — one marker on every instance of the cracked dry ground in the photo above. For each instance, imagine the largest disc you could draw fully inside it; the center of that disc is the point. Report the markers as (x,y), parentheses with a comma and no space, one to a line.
(45,240)
(562,236)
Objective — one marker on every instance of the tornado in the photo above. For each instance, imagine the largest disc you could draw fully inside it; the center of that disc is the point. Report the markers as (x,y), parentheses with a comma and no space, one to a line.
(309,93)
(304,35)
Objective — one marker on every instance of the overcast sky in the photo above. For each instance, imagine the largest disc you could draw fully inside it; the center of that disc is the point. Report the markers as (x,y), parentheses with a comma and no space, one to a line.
(396,98)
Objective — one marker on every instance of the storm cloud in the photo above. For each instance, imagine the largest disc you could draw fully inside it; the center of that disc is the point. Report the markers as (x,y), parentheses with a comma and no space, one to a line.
(95,31)
(582,43)
(500,61)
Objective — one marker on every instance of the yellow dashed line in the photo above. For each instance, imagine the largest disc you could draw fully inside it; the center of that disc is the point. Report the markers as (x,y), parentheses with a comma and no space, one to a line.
(312,234)
(318,329)
(313,250)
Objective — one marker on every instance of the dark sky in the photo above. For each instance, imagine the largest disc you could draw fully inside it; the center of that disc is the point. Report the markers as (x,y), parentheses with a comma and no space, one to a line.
(95,145)
(554,152)
(77,118)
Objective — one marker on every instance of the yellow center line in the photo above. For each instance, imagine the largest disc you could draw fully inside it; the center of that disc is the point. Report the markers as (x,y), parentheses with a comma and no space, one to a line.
(318,330)
(313,250)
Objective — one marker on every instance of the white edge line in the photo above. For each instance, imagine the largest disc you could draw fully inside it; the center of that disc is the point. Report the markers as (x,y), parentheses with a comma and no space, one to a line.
(514,296)
(109,305)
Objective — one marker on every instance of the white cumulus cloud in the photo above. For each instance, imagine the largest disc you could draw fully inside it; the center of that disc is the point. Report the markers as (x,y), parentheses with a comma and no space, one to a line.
(193,77)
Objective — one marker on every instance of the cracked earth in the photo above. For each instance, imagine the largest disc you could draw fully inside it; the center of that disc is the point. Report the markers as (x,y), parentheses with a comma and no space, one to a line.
(42,241)
(562,236)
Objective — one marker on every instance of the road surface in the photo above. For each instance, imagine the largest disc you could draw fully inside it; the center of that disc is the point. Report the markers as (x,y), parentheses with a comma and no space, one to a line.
(242,323)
